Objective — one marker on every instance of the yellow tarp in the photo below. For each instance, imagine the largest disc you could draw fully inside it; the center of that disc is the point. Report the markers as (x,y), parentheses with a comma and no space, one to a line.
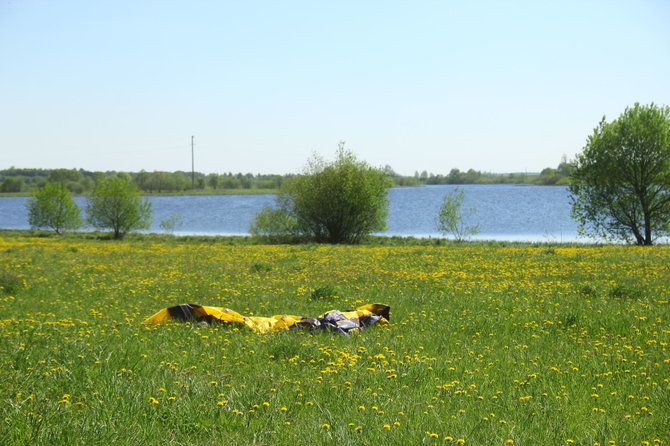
(361,317)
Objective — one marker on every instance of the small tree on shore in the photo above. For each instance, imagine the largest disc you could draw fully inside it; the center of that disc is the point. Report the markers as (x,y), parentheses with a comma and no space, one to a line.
(450,218)
(51,206)
(116,204)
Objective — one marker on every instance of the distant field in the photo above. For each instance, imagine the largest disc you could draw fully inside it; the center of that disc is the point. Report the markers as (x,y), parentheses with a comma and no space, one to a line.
(488,344)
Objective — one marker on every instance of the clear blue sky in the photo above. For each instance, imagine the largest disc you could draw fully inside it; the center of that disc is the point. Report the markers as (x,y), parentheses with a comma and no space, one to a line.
(496,86)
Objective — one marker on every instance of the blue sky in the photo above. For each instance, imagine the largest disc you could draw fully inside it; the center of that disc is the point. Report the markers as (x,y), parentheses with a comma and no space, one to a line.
(496,86)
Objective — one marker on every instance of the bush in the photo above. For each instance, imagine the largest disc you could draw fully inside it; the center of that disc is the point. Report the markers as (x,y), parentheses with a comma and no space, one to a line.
(116,204)
(275,226)
(52,206)
(172,223)
(339,202)
(450,218)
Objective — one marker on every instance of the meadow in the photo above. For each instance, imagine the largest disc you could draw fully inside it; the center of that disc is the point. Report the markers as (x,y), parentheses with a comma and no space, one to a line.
(489,344)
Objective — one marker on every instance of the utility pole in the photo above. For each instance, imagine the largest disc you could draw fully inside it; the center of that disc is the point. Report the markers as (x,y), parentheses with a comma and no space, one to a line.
(192,165)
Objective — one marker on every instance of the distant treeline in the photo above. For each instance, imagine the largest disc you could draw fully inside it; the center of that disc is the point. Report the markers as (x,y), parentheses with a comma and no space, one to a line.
(548,177)
(80,181)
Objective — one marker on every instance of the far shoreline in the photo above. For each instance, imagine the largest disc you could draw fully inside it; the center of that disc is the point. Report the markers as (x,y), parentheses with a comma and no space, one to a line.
(274,191)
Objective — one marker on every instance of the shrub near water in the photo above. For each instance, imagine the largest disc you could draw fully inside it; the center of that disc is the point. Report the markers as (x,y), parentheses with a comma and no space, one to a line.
(343,201)
(488,345)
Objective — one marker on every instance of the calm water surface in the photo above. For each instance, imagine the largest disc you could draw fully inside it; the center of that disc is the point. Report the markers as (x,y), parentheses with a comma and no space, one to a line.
(504,212)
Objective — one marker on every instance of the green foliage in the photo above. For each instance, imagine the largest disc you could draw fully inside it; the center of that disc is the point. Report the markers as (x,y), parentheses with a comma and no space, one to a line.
(213,180)
(12,185)
(80,181)
(620,185)
(52,206)
(339,202)
(65,175)
(547,177)
(451,217)
(171,223)
(116,204)
(275,226)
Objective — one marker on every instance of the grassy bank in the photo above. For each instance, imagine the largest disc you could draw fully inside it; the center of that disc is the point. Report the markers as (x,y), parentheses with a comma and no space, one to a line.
(488,344)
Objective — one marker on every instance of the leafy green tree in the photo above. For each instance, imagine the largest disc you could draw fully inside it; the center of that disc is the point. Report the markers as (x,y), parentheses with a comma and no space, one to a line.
(213,180)
(230,182)
(338,202)
(12,185)
(620,184)
(548,176)
(451,217)
(65,175)
(51,206)
(116,204)
(565,167)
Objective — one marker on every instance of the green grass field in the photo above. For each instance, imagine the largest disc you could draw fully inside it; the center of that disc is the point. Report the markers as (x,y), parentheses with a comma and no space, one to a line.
(488,344)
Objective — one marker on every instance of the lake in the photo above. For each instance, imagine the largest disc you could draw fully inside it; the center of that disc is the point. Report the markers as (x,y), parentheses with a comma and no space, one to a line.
(504,212)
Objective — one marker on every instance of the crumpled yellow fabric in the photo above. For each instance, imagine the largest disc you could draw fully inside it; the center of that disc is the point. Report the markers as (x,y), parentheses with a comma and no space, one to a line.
(361,317)
(274,323)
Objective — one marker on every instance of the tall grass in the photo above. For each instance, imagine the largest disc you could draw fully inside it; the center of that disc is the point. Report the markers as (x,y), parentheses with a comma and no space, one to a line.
(487,344)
